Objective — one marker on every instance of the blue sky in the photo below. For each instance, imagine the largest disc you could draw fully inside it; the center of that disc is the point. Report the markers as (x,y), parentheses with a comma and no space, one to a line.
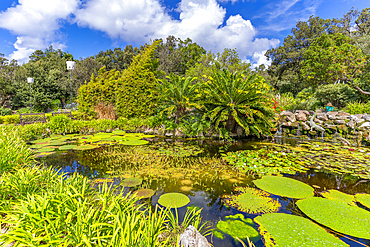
(85,27)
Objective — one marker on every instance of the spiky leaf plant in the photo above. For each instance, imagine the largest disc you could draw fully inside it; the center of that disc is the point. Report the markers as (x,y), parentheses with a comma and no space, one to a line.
(238,98)
(294,231)
(286,187)
(338,216)
(252,201)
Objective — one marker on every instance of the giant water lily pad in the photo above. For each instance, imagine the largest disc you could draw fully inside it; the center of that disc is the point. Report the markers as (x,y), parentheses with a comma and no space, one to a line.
(339,196)
(131,182)
(173,200)
(238,227)
(44,154)
(144,193)
(286,187)
(67,147)
(252,201)
(294,231)
(134,142)
(364,199)
(338,216)
(45,149)
(85,147)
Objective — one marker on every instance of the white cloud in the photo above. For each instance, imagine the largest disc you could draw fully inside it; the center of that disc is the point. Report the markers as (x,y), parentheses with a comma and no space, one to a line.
(259,58)
(36,22)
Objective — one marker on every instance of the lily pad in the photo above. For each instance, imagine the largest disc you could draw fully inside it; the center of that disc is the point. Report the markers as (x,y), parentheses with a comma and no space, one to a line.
(67,147)
(131,182)
(173,200)
(134,142)
(286,187)
(252,201)
(144,193)
(45,149)
(238,227)
(85,147)
(44,154)
(57,142)
(37,146)
(364,199)
(339,216)
(294,231)
(339,196)
(119,132)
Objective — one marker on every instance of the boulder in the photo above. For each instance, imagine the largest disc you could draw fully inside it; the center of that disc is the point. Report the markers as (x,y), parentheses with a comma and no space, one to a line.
(343,114)
(305,126)
(353,117)
(351,124)
(339,121)
(365,125)
(331,114)
(286,124)
(286,113)
(366,117)
(192,238)
(322,116)
(360,121)
(301,116)
(359,116)
(318,121)
(302,111)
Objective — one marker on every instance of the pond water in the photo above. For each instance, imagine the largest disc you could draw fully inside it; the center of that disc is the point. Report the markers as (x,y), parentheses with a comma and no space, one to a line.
(195,169)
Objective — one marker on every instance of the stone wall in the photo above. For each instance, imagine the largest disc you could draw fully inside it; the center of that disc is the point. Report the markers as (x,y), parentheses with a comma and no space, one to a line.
(355,129)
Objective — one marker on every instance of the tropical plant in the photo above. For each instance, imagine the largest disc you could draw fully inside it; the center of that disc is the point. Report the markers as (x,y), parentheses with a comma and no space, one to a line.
(358,107)
(238,98)
(177,95)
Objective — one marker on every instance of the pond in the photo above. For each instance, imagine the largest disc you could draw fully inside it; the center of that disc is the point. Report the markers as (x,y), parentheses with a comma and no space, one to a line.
(196,169)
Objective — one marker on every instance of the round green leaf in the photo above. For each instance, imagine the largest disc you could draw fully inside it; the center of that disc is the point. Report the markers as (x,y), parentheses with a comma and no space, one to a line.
(131,182)
(294,231)
(85,147)
(339,196)
(144,193)
(173,200)
(45,149)
(364,199)
(67,147)
(134,142)
(286,187)
(238,227)
(338,216)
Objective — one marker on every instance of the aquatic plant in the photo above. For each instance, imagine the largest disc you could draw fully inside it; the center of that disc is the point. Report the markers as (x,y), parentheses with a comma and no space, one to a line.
(237,227)
(339,196)
(283,186)
(280,229)
(173,200)
(364,199)
(144,193)
(131,182)
(251,201)
(67,147)
(337,215)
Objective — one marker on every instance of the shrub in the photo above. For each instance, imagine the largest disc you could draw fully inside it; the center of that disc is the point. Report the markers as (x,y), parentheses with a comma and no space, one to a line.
(337,94)
(357,108)
(11,119)
(105,111)
(5,111)
(60,124)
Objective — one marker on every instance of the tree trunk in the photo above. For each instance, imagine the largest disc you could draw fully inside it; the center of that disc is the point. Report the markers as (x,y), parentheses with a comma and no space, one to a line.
(180,112)
(231,123)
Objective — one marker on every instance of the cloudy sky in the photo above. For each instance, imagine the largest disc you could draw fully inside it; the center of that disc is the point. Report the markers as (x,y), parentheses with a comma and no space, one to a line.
(85,27)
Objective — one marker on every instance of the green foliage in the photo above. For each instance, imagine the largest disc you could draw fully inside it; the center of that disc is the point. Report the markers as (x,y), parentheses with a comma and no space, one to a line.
(144,193)
(294,231)
(305,100)
(339,216)
(339,196)
(285,100)
(238,227)
(233,99)
(331,58)
(5,111)
(358,107)
(60,124)
(364,199)
(252,201)
(173,200)
(131,182)
(283,186)
(60,211)
(14,151)
(337,94)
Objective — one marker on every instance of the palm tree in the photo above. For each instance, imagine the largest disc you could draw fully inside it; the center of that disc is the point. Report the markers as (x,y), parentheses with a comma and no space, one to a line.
(233,99)
(177,95)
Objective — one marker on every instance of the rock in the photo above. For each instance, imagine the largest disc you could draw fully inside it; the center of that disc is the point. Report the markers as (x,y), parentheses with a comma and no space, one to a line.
(286,123)
(359,116)
(339,121)
(179,133)
(366,117)
(341,117)
(360,121)
(286,113)
(302,111)
(343,114)
(291,118)
(353,117)
(331,114)
(313,133)
(351,124)
(192,238)
(322,116)
(301,116)
(295,124)
(318,121)
(239,130)
(365,125)
(305,126)
(331,126)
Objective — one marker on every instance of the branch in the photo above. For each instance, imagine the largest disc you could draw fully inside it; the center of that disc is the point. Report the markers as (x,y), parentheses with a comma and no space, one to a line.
(361,91)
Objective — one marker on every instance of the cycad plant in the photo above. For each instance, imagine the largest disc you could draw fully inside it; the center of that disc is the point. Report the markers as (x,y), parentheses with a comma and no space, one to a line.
(238,98)
(177,95)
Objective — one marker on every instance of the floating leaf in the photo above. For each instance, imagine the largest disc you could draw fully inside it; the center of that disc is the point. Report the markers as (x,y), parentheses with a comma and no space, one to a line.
(67,147)
(37,146)
(286,187)
(238,227)
(85,147)
(252,201)
(44,154)
(364,199)
(173,200)
(186,188)
(134,142)
(338,216)
(45,149)
(119,132)
(57,142)
(339,196)
(131,182)
(144,193)
(294,231)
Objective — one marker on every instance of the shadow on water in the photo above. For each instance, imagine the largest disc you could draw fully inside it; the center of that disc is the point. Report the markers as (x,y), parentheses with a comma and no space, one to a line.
(204,182)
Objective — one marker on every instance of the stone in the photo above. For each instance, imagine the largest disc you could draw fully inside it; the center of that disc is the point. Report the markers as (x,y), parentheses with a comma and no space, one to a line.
(305,126)
(302,111)
(295,124)
(239,130)
(331,127)
(343,114)
(318,121)
(286,113)
(331,114)
(341,117)
(360,121)
(286,123)
(301,116)
(313,133)
(322,116)
(192,238)
(365,125)
(179,133)
(353,117)
(366,117)
(339,121)
(359,116)
(351,124)
(291,118)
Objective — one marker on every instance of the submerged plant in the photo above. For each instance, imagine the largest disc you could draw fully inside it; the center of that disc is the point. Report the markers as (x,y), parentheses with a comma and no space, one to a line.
(338,216)
(252,201)
(283,186)
(290,230)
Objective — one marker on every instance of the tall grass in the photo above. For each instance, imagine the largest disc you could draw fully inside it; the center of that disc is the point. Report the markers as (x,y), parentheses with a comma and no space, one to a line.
(13,150)
(105,111)
(357,108)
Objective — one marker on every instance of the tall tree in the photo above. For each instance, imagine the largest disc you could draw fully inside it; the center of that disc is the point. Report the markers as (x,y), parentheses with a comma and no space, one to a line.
(7,78)
(117,59)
